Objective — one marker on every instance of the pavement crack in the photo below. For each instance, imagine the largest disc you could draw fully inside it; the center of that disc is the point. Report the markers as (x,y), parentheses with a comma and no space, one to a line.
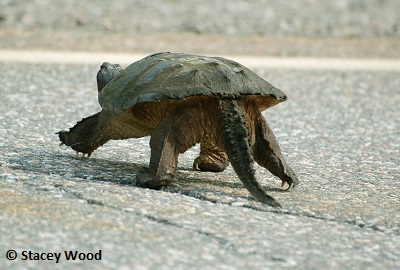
(250,205)
(352,222)
(268,209)
(221,241)
(77,195)
(94,201)
(224,243)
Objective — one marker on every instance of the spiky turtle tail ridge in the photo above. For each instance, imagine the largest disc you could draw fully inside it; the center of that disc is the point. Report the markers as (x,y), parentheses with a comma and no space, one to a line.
(237,144)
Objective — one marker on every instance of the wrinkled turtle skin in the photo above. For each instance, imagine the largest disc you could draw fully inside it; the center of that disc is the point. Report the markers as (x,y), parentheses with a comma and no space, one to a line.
(180,100)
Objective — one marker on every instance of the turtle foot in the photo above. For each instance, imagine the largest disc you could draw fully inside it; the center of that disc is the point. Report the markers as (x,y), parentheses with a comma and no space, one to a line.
(202,163)
(289,178)
(143,179)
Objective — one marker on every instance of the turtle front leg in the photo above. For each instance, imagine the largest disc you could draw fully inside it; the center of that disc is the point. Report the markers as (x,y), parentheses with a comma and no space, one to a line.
(211,158)
(267,153)
(163,160)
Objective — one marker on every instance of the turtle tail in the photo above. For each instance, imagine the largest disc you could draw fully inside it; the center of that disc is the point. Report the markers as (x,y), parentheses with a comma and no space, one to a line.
(237,143)
(84,136)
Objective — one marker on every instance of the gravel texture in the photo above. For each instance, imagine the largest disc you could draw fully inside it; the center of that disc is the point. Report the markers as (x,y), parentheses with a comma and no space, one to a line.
(339,131)
(345,28)
(340,18)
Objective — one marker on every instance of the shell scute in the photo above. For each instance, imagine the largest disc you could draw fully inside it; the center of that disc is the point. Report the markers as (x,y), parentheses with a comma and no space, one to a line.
(177,76)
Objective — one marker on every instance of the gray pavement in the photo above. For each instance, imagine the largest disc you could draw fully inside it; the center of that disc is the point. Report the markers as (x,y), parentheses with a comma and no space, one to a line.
(329,28)
(340,131)
(332,18)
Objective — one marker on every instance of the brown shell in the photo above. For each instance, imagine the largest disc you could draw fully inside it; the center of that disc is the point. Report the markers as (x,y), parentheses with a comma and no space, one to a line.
(177,76)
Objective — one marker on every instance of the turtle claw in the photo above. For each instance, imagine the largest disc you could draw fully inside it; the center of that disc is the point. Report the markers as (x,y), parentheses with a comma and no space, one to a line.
(196,165)
(290,187)
(85,155)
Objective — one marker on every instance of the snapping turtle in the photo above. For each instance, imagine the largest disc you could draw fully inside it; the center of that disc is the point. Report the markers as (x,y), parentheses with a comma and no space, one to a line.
(181,100)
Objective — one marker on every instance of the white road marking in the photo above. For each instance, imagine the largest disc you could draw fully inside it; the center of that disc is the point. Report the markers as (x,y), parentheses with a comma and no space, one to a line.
(69,57)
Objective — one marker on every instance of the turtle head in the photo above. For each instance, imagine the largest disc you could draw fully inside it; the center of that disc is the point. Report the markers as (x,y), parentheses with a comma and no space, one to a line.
(106,73)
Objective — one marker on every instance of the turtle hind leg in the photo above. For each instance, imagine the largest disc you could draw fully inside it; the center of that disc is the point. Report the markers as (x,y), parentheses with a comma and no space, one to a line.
(267,153)
(163,160)
(211,158)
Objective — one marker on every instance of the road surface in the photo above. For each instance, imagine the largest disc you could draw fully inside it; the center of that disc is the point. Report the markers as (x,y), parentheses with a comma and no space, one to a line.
(339,129)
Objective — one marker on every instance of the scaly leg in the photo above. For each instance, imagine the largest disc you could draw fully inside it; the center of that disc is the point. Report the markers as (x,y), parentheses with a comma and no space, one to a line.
(267,153)
(211,158)
(163,160)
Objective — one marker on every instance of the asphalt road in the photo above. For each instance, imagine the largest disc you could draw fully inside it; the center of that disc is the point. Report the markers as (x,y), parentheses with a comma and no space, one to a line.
(340,131)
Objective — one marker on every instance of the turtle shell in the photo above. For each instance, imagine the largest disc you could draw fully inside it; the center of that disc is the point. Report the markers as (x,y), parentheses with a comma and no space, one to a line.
(166,75)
